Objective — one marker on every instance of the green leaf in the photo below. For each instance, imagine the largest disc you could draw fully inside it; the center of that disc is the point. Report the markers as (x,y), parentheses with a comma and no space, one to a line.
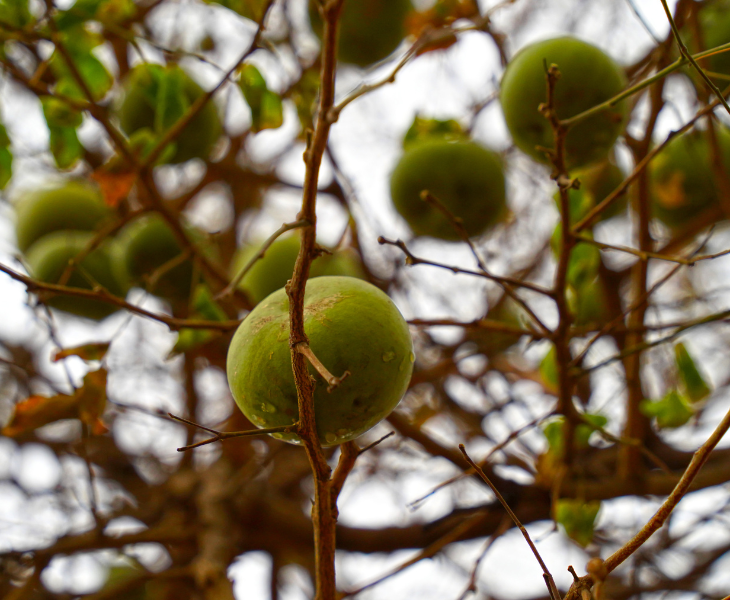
(694,383)
(249,9)
(553,431)
(205,305)
(672,411)
(584,431)
(78,13)
(577,518)
(6,158)
(426,129)
(172,101)
(79,43)
(549,368)
(14,13)
(59,114)
(105,11)
(266,107)
(65,146)
(584,259)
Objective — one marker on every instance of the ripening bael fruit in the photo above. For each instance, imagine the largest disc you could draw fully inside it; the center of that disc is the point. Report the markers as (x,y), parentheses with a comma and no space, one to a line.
(352,326)
(369,30)
(155,97)
(683,183)
(271,272)
(48,258)
(588,77)
(74,204)
(151,256)
(465,177)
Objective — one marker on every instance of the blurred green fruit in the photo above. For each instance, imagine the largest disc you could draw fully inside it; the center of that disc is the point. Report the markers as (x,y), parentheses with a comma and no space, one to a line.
(683,183)
(596,183)
(713,20)
(48,258)
(151,256)
(465,177)
(276,267)
(588,77)
(492,342)
(352,326)
(74,204)
(155,97)
(369,30)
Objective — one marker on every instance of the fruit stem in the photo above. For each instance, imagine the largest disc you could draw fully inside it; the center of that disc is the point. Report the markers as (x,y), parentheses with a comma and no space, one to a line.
(332,382)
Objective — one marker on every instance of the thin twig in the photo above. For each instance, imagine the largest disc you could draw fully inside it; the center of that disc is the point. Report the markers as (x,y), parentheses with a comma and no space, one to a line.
(552,588)
(411,260)
(219,436)
(258,256)
(332,382)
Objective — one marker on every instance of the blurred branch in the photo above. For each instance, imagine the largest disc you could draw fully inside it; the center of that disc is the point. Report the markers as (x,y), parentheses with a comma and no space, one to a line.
(683,486)
(101,294)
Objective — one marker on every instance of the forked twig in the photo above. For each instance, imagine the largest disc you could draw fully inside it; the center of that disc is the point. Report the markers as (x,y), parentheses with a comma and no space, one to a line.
(219,436)
(552,588)
(332,382)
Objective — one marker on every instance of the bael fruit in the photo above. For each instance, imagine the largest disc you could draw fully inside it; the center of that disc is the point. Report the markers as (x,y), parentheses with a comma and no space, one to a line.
(465,177)
(713,20)
(48,258)
(683,184)
(596,183)
(74,204)
(369,30)
(271,272)
(352,326)
(588,77)
(147,246)
(155,97)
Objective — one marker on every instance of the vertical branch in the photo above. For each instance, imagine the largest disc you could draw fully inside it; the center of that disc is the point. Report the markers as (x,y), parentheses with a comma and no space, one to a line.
(636,427)
(324,511)
(561,335)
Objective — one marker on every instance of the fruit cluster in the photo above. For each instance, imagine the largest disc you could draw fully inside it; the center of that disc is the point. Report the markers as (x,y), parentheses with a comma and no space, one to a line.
(59,229)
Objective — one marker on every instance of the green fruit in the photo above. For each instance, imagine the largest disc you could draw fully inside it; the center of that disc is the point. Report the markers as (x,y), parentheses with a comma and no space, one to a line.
(155,97)
(72,205)
(491,342)
(369,30)
(276,267)
(596,183)
(588,77)
(147,247)
(352,326)
(683,183)
(713,19)
(48,258)
(465,177)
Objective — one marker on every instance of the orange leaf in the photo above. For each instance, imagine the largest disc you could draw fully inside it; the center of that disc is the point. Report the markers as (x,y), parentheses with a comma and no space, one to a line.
(92,351)
(115,187)
(36,411)
(92,398)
